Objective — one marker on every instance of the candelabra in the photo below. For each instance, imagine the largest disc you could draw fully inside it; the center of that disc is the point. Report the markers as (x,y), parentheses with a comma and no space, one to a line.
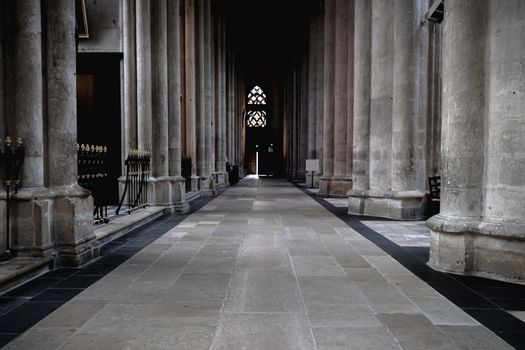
(11,159)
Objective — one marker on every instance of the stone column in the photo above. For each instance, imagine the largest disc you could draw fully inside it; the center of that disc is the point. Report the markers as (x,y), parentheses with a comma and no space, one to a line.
(201,97)
(312,82)
(32,226)
(361,108)
(350,99)
(218,101)
(224,104)
(340,183)
(73,207)
(162,182)
(129,85)
(464,38)
(303,119)
(144,108)
(190,88)
(130,77)
(328,98)
(174,108)
(208,98)
(319,105)
(381,91)
(404,112)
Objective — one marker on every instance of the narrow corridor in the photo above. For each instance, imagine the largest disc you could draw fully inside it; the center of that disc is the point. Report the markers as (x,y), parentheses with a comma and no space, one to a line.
(262,266)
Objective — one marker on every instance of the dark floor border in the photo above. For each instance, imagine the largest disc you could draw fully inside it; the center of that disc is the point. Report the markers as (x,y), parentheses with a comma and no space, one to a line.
(484,299)
(24,306)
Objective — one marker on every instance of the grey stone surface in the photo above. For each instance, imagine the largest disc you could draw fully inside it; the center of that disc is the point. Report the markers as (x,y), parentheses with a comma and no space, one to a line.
(338,338)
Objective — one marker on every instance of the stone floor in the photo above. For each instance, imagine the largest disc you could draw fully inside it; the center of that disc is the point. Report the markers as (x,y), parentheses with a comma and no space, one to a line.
(262,266)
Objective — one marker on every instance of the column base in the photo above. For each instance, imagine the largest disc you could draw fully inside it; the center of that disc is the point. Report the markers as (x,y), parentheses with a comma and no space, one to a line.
(194,183)
(55,222)
(178,194)
(324,185)
(409,205)
(486,248)
(339,186)
(162,188)
(207,186)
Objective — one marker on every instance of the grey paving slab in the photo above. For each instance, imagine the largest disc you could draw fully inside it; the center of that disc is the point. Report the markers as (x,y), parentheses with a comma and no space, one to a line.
(182,337)
(383,297)
(474,338)
(342,316)
(357,338)
(312,265)
(264,258)
(330,291)
(41,339)
(218,251)
(200,287)
(440,311)
(265,331)
(171,313)
(210,265)
(263,291)
(74,314)
(415,331)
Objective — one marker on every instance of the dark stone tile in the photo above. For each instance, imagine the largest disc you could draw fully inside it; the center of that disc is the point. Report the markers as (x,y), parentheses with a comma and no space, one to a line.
(8,304)
(26,315)
(32,287)
(515,339)
(7,337)
(473,281)
(57,294)
(517,292)
(77,282)
(96,270)
(497,320)
(510,304)
(60,273)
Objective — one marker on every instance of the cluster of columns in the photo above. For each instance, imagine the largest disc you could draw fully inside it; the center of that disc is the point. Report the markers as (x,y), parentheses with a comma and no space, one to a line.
(181,95)
(50,214)
(390,114)
(480,229)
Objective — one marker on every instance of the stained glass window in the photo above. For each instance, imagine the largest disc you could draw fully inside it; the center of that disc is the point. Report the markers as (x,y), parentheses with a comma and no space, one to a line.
(256,119)
(256,96)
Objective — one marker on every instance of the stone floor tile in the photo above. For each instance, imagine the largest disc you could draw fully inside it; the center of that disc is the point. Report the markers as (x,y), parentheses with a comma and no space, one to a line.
(200,287)
(218,251)
(264,258)
(329,291)
(307,248)
(263,291)
(256,331)
(416,332)
(182,337)
(73,314)
(386,264)
(311,265)
(356,338)
(364,274)
(342,316)
(210,265)
(41,339)
(385,298)
(170,313)
(474,338)
(440,311)
(159,275)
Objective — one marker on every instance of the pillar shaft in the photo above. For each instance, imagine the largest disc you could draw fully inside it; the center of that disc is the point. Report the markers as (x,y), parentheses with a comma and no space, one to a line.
(464,106)
(201,90)
(404,106)
(340,87)
(312,89)
(174,87)
(144,107)
(61,96)
(189,82)
(130,76)
(208,93)
(319,105)
(28,90)
(328,97)
(160,90)
(361,131)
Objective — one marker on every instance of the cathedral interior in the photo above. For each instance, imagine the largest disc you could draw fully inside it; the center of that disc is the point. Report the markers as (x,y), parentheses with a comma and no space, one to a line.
(262,175)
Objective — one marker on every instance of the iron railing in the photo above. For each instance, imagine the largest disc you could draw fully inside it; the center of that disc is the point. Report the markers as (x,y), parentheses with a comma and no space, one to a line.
(137,175)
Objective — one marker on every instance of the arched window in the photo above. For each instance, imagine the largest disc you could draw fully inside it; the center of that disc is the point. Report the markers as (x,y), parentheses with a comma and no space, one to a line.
(256,112)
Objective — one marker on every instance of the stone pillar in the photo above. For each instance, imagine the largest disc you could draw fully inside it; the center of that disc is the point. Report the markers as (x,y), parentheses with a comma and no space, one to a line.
(73,221)
(480,228)
(130,77)
(361,108)
(223,97)
(174,108)
(201,100)
(319,105)
(328,98)
(406,201)
(144,108)
(303,119)
(339,182)
(160,178)
(190,88)
(350,99)
(129,85)
(208,98)
(33,225)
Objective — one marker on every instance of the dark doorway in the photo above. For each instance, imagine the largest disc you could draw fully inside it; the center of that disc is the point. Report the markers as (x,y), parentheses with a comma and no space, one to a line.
(99,112)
